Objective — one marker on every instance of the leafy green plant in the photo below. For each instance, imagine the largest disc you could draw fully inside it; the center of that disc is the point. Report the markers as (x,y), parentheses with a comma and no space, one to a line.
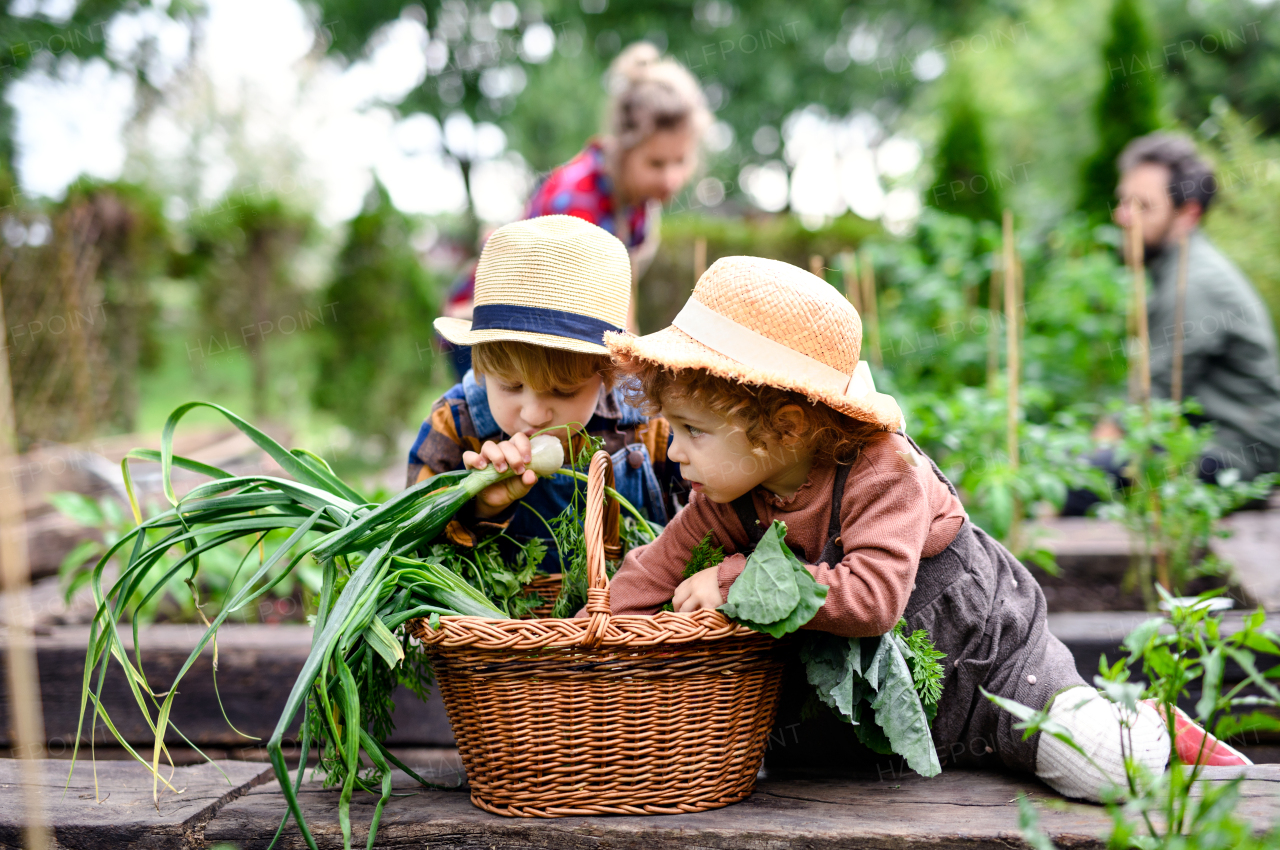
(887,687)
(1170,512)
(703,556)
(775,594)
(1189,647)
(965,432)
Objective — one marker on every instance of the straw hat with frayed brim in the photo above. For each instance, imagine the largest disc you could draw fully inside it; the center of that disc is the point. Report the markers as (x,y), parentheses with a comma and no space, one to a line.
(766,322)
(554,281)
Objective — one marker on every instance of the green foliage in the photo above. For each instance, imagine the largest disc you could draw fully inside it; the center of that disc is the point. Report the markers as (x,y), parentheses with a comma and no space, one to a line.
(775,594)
(1248,170)
(964,181)
(965,432)
(937,332)
(375,356)
(671,277)
(1128,105)
(241,258)
(500,580)
(1180,653)
(900,682)
(704,556)
(1170,512)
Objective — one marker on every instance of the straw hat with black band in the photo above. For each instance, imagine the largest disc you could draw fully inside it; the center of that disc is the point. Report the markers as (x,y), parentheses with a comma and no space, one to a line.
(556,281)
(767,322)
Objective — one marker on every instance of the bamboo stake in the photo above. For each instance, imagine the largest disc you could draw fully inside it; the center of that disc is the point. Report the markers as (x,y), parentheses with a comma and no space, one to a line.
(26,717)
(1012,365)
(699,258)
(849,274)
(1140,311)
(1143,381)
(1179,313)
(871,322)
(817,266)
(993,312)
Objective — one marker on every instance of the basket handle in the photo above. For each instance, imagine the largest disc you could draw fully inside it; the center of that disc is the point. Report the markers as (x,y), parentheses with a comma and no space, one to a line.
(593,532)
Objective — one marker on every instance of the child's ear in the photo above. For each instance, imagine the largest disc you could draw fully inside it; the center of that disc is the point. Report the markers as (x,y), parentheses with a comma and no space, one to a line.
(790,422)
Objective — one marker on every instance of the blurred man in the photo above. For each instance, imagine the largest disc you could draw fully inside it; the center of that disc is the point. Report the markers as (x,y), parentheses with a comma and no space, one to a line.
(1229,361)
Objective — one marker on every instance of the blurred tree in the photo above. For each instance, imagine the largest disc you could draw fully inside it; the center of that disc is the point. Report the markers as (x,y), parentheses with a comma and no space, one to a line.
(375,358)
(76,279)
(241,258)
(534,70)
(41,39)
(1221,51)
(964,182)
(1128,105)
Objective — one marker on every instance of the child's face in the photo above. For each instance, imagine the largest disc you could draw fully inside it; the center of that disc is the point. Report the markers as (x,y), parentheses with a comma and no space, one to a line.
(718,460)
(518,408)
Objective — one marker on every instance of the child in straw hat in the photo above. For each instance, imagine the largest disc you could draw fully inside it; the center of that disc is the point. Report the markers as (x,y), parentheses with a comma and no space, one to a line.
(774,416)
(547,290)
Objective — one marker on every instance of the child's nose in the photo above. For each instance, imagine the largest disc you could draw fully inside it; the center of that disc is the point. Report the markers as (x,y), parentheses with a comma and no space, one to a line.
(536,413)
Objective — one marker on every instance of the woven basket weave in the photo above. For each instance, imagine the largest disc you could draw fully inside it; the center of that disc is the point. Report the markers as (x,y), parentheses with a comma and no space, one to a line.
(602,714)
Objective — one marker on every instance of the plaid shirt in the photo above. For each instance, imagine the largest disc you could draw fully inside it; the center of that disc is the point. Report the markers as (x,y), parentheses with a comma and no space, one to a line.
(581,187)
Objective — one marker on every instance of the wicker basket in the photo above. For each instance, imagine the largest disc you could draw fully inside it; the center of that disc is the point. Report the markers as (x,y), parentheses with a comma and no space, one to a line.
(602,714)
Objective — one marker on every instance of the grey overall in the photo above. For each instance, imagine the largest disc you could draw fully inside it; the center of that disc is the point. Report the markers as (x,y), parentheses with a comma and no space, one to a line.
(982,608)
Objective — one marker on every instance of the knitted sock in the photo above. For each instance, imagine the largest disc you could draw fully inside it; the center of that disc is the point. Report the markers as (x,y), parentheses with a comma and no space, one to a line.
(1095,724)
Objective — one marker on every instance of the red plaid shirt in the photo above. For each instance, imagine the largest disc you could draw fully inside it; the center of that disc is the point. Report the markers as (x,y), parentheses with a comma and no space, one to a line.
(581,187)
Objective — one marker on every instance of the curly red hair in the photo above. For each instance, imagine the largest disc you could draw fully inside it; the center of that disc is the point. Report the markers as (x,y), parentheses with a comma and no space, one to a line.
(759,409)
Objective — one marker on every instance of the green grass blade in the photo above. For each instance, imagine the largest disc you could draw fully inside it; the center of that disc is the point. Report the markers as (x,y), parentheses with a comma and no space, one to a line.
(304,472)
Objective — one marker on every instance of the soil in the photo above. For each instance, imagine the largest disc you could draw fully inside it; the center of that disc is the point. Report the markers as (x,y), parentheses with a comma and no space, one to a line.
(1069,593)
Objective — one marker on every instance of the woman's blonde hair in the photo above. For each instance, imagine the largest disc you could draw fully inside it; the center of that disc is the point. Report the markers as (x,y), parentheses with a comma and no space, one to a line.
(543,369)
(649,94)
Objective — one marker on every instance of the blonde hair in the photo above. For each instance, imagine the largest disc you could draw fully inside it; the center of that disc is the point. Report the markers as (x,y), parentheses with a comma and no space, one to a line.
(541,368)
(758,408)
(650,94)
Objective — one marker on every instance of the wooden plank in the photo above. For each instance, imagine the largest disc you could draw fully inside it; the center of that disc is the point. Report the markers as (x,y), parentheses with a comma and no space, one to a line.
(959,809)
(122,813)
(257,665)
(1253,551)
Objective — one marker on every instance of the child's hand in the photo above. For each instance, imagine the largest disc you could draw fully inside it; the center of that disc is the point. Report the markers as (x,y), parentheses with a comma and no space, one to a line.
(701,591)
(509,454)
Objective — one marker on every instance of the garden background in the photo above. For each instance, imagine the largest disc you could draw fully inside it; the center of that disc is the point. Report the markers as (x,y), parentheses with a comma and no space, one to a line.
(262,204)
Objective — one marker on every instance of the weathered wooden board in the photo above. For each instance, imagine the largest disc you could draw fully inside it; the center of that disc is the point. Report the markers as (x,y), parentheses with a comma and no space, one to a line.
(257,665)
(122,813)
(1253,551)
(959,809)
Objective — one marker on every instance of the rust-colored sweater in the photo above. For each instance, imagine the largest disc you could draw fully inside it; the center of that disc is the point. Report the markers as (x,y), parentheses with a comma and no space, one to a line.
(893,514)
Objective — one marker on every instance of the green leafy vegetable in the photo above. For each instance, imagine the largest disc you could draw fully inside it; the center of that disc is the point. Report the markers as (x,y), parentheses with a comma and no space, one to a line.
(775,593)
(888,687)
(379,570)
(703,556)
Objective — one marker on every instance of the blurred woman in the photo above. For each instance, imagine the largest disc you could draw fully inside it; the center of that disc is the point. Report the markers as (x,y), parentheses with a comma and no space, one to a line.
(656,117)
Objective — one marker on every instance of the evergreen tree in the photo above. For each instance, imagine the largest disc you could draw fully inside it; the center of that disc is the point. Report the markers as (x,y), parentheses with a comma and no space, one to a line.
(375,357)
(1128,105)
(964,182)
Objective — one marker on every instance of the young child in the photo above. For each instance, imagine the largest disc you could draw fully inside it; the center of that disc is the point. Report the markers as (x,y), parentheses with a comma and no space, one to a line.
(773,417)
(547,289)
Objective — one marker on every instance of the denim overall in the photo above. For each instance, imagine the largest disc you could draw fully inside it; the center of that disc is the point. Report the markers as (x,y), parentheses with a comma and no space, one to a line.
(634,478)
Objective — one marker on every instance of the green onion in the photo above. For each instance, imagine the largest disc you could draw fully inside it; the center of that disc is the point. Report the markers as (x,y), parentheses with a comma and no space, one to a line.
(373,584)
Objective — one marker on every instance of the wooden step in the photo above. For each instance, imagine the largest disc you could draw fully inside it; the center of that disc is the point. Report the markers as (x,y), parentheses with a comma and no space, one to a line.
(257,666)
